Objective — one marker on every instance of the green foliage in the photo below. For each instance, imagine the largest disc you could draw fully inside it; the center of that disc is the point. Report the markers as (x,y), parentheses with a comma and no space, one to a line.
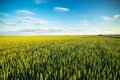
(60,58)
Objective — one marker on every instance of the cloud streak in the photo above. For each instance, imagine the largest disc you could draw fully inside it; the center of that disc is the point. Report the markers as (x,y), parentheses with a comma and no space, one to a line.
(27,12)
(5,14)
(114,17)
(42,22)
(43,30)
(61,9)
(25,20)
(60,31)
(84,23)
(106,18)
(36,21)
(33,31)
(8,22)
(40,1)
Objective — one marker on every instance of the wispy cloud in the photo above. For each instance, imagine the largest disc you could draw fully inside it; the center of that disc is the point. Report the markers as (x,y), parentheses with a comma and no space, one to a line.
(42,22)
(114,17)
(5,14)
(40,1)
(35,20)
(107,30)
(60,31)
(61,9)
(26,19)
(83,23)
(106,18)
(26,12)
(42,30)
(8,22)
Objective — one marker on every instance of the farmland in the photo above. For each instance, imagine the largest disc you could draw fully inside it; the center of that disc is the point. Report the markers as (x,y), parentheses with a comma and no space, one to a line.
(59,58)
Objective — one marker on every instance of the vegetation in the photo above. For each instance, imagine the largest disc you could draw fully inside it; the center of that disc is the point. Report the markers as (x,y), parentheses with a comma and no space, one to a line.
(59,58)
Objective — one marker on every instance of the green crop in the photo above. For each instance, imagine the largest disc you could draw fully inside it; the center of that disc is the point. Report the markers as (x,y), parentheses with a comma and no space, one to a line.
(60,58)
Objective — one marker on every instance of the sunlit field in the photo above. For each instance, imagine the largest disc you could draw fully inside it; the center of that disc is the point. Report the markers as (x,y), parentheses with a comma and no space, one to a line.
(60,58)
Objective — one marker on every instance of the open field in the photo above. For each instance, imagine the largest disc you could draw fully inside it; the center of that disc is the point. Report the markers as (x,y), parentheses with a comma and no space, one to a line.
(60,58)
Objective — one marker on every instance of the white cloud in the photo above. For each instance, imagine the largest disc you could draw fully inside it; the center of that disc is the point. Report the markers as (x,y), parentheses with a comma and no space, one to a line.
(60,31)
(106,18)
(34,20)
(84,23)
(10,23)
(107,30)
(40,1)
(22,20)
(29,18)
(42,22)
(5,14)
(114,17)
(25,12)
(61,9)
(42,30)
(26,19)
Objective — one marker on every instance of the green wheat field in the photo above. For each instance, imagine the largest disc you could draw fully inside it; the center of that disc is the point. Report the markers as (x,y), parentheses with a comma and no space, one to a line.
(60,58)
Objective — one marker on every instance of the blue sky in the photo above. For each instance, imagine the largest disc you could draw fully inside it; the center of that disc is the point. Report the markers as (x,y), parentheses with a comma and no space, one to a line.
(59,17)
